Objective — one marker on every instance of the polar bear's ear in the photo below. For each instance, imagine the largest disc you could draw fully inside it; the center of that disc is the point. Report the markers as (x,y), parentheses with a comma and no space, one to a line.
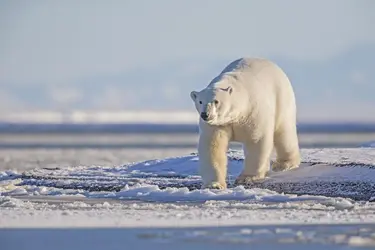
(193,95)
(230,90)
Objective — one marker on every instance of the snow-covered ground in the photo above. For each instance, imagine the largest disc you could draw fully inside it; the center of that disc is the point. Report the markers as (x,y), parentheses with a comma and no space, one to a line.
(159,203)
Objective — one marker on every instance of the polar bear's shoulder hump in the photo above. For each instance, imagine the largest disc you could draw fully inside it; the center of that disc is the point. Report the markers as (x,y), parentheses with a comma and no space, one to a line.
(246,64)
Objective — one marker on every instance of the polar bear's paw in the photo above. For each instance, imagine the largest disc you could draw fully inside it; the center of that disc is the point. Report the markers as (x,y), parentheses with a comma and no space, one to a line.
(215,185)
(249,179)
(283,166)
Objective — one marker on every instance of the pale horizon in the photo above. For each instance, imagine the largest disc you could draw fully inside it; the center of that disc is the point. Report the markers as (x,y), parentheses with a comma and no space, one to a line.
(135,56)
(141,116)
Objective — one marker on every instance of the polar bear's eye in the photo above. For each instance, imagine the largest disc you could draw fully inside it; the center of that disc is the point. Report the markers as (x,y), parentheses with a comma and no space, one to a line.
(200,102)
(216,102)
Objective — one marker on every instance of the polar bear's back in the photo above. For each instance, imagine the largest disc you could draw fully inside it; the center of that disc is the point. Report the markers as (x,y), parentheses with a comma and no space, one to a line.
(260,81)
(246,64)
(250,69)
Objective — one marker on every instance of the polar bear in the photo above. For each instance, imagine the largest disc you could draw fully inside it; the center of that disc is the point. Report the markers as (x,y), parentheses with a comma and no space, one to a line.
(252,102)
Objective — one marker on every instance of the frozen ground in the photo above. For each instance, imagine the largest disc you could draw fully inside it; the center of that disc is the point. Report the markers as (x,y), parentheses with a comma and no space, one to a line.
(159,203)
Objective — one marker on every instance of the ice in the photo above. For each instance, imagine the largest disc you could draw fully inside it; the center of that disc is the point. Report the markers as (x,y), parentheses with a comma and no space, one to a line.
(159,203)
(347,173)
(154,193)
(225,237)
(8,202)
(8,175)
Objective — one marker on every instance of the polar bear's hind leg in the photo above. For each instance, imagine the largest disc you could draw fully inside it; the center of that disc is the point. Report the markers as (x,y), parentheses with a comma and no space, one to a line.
(287,148)
(257,160)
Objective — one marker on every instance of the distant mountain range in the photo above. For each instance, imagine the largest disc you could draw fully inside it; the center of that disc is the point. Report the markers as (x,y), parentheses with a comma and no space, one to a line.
(343,86)
(348,78)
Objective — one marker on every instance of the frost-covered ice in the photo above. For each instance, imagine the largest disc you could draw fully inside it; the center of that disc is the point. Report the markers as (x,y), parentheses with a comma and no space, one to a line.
(348,173)
(333,186)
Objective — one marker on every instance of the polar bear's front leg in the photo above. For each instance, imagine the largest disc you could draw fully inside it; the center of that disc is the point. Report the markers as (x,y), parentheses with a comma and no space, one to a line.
(212,150)
(257,160)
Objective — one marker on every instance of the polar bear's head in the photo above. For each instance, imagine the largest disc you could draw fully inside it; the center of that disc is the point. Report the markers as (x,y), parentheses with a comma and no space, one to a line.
(215,106)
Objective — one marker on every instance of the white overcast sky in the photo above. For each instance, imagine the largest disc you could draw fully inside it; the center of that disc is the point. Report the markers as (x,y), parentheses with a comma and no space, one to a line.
(52,44)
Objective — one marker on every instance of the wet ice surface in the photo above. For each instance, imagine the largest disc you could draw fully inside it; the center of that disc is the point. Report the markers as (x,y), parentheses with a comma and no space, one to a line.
(90,224)
(96,189)
(236,237)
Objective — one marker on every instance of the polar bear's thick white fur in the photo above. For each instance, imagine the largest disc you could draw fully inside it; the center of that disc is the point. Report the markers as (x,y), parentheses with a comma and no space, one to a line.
(252,102)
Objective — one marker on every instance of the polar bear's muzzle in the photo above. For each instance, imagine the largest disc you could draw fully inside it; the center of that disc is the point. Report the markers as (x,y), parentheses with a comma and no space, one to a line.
(204,116)
(208,114)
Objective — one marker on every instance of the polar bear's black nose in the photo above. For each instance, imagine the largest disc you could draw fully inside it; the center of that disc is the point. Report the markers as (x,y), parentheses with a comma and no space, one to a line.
(204,116)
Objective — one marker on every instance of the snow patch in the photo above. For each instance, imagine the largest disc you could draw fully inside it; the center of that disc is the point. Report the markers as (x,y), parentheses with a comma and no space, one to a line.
(9,175)
(8,202)
(155,194)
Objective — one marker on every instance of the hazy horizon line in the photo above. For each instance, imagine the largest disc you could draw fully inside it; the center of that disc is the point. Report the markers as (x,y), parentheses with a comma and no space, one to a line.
(166,116)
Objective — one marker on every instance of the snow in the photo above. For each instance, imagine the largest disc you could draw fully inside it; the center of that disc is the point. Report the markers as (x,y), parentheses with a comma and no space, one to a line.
(328,172)
(159,203)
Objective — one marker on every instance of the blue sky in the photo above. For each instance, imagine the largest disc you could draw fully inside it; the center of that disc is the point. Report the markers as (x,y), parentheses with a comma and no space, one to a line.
(127,55)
